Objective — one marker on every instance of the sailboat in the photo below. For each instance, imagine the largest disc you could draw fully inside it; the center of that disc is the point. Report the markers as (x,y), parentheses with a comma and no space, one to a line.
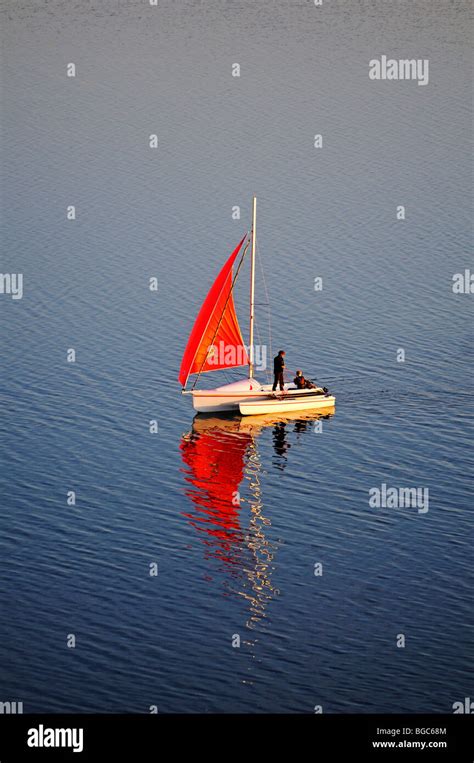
(216,343)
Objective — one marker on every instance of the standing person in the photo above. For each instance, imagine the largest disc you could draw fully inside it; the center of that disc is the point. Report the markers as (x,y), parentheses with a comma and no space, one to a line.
(278,368)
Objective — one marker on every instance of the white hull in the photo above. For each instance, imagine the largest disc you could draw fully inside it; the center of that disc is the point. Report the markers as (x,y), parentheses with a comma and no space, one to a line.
(231,397)
(287,404)
(228,397)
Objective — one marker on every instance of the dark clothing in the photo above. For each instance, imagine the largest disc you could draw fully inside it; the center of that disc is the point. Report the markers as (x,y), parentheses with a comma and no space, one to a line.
(278,368)
(302,383)
(278,364)
(278,379)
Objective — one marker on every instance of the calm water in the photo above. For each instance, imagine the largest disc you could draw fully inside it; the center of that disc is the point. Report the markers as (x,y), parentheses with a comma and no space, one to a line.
(225,570)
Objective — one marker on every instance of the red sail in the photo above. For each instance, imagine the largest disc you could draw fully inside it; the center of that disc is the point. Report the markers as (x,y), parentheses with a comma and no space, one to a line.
(216,340)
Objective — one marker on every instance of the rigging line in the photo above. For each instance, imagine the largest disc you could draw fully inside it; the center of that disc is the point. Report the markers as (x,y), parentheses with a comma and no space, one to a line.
(257,329)
(223,311)
(258,333)
(267,297)
(261,345)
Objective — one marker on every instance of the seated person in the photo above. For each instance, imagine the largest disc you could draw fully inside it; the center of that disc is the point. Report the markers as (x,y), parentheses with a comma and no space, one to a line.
(301,383)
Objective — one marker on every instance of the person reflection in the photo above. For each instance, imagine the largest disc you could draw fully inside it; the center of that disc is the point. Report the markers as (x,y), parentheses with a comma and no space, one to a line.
(301,426)
(280,444)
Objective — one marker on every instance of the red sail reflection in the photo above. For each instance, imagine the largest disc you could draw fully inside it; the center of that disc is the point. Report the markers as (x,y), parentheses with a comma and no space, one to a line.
(221,458)
(215,461)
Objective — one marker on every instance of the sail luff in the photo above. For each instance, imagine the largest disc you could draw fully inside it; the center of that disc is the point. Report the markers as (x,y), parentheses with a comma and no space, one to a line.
(217,306)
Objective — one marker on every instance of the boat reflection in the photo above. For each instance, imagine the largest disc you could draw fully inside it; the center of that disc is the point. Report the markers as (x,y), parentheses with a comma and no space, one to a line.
(223,471)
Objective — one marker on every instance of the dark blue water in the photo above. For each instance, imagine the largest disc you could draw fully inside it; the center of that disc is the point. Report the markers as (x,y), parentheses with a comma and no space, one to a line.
(228,570)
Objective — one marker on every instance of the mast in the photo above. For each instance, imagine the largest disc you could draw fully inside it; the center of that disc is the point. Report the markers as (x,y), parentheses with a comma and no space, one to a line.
(252,285)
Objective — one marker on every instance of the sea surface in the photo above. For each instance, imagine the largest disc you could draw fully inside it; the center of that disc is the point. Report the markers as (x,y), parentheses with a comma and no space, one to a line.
(279,588)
